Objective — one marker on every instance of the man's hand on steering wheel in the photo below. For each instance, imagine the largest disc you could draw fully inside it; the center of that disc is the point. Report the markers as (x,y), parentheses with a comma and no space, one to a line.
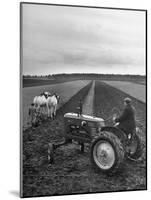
(114,117)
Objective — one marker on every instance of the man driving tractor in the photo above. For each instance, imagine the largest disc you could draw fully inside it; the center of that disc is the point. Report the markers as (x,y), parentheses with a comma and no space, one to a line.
(127,118)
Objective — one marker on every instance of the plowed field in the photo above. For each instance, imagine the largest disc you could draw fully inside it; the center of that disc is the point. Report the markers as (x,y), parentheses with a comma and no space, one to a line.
(72,171)
(135,90)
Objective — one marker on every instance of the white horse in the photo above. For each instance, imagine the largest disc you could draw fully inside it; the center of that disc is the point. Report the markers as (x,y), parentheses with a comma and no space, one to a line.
(40,102)
(52,103)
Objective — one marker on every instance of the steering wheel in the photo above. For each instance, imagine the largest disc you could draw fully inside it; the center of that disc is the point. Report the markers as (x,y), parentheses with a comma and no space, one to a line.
(115,114)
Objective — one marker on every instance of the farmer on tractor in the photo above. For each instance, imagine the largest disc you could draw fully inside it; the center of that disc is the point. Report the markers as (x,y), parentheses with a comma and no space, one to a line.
(127,119)
(109,144)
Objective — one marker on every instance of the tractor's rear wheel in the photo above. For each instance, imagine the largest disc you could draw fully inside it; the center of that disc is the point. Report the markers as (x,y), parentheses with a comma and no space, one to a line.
(107,153)
(134,148)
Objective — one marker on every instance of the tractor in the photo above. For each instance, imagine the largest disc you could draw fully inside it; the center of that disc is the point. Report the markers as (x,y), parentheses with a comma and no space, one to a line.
(109,146)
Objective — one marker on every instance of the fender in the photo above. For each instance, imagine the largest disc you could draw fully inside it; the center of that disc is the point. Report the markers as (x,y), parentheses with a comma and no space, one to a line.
(119,133)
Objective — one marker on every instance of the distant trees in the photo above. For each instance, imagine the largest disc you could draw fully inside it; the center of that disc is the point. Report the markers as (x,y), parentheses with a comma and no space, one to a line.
(89,76)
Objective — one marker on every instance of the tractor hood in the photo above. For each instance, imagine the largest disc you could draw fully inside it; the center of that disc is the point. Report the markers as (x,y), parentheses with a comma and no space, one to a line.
(84,117)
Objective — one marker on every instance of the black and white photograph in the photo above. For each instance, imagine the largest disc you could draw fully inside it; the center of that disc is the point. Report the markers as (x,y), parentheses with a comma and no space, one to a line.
(83,99)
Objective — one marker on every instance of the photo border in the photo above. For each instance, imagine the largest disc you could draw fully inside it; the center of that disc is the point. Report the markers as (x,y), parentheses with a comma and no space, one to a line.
(21,88)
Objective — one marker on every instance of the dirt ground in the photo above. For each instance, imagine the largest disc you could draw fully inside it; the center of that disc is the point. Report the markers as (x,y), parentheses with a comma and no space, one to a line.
(72,171)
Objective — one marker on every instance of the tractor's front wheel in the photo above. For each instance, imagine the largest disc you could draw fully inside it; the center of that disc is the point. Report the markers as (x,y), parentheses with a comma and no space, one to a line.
(107,153)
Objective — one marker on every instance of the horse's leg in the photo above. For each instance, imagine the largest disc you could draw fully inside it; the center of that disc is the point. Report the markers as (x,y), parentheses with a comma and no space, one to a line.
(55,110)
(48,111)
(51,112)
(44,110)
(40,108)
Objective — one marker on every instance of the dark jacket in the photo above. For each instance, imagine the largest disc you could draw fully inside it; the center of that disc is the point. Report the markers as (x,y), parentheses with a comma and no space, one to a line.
(127,119)
(32,111)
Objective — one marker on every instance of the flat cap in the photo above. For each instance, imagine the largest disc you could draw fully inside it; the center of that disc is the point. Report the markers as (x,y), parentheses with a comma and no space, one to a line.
(127,100)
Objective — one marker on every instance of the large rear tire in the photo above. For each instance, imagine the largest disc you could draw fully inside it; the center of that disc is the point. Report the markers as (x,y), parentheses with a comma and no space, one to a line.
(134,149)
(107,153)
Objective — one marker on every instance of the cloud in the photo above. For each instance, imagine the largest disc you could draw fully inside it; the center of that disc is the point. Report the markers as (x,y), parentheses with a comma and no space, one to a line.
(55,36)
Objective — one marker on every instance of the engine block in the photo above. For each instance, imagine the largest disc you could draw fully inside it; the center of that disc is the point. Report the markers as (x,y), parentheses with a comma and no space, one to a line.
(82,127)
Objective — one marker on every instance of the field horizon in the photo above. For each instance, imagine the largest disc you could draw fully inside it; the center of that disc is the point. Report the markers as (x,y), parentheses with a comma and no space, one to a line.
(29,81)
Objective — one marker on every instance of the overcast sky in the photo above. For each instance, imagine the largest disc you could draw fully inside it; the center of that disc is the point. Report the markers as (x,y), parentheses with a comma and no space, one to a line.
(59,39)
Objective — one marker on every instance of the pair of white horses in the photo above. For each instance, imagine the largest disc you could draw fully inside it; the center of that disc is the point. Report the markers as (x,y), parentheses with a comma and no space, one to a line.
(47,103)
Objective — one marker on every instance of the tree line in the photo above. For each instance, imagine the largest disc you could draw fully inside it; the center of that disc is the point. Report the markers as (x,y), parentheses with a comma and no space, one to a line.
(89,76)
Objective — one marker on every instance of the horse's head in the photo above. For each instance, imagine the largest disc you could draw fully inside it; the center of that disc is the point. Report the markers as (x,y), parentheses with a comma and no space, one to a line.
(42,94)
(45,94)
